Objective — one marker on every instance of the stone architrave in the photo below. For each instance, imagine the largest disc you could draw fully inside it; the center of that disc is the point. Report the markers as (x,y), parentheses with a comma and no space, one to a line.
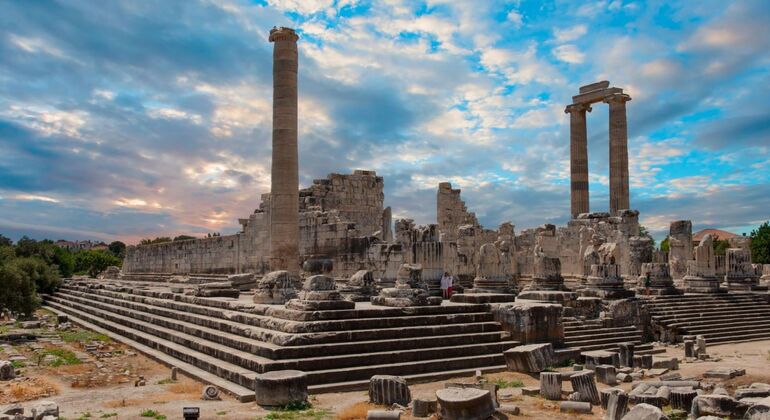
(578,136)
(701,272)
(679,248)
(277,288)
(619,190)
(284,184)
(280,388)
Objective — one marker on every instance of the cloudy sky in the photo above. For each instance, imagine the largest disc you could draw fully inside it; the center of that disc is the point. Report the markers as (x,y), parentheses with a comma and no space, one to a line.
(126,119)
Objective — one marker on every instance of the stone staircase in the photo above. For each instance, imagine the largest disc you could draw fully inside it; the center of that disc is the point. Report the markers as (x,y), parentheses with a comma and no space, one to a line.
(593,335)
(215,339)
(721,318)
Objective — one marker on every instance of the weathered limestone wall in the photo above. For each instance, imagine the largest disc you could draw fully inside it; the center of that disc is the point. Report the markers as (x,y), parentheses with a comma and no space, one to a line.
(337,216)
(451,212)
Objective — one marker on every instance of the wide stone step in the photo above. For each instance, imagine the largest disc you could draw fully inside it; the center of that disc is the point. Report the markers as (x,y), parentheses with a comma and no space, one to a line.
(241,393)
(746,321)
(410,379)
(614,346)
(635,338)
(234,372)
(398,335)
(601,335)
(695,316)
(736,338)
(220,333)
(592,331)
(709,308)
(405,369)
(216,366)
(406,317)
(310,364)
(251,362)
(704,304)
(702,329)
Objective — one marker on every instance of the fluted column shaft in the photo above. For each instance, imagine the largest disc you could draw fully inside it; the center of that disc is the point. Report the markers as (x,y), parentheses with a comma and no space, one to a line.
(619,191)
(284,184)
(578,138)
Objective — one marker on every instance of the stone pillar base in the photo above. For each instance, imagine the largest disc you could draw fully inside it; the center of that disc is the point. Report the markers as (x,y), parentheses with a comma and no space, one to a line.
(692,284)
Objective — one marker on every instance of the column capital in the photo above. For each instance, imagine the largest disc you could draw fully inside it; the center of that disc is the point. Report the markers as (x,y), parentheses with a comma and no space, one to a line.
(283,34)
(616,98)
(578,107)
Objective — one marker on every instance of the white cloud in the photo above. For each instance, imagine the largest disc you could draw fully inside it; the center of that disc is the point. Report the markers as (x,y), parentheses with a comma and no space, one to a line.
(569,54)
(516,18)
(570,34)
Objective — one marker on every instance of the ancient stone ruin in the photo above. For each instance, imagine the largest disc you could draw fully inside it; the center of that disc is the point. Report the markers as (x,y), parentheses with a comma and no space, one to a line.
(322,291)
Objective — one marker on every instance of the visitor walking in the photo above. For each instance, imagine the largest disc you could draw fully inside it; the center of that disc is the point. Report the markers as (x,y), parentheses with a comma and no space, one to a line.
(446,285)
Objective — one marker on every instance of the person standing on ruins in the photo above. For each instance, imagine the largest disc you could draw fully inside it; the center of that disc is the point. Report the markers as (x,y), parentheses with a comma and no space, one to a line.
(446,285)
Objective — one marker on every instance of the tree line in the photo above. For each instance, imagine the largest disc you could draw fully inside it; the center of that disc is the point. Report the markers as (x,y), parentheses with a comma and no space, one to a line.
(29,267)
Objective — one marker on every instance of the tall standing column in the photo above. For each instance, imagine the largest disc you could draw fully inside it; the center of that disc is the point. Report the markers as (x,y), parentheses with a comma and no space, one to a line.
(619,195)
(284,183)
(578,154)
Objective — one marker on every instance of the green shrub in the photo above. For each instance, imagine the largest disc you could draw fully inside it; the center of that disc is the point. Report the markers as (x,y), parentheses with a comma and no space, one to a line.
(44,276)
(17,290)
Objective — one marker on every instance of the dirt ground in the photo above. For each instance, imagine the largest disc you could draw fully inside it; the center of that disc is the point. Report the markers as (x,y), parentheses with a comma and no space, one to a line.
(100,383)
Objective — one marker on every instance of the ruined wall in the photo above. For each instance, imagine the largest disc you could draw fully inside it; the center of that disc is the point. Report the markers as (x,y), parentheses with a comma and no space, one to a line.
(335,213)
(451,212)
(242,252)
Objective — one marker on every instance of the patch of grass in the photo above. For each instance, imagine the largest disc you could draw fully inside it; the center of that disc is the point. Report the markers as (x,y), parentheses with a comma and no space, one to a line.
(676,414)
(18,364)
(166,381)
(83,336)
(152,414)
(63,357)
(312,414)
(108,415)
(84,416)
(221,413)
(299,411)
(502,383)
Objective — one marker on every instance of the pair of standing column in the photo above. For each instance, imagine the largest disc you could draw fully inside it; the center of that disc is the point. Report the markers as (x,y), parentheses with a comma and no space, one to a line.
(618,131)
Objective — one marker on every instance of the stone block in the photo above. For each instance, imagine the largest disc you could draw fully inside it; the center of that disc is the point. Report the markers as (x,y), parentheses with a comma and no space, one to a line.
(465,403)
(530,391)
(606,374)
(575,407)
(717,405)
(7,371)
(550,385)
(617,406)
(388,390)
(585,385)
(423,407)
(509,409)
(531,322)
(604,395)
(759,411)
(210,393)
(382,415)
(645,412)
(277,288)
(724,373)
(530,358)
(681,398)
(45,408)
(280,387)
